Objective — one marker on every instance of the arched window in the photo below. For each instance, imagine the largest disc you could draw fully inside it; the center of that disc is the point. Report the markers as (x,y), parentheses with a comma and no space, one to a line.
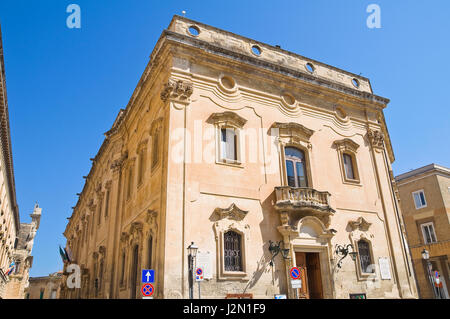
(296,167)
(232,251)
(365,257)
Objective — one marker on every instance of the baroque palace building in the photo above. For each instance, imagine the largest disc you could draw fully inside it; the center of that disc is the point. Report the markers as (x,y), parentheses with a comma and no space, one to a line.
(244,149)
(16,239)
(425,203)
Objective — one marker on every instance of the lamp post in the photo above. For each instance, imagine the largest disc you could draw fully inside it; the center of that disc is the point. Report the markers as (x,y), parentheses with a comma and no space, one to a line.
(426,257)
(192,250)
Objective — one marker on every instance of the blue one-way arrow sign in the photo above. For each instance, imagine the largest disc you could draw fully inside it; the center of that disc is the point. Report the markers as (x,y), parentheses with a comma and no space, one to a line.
(148,276)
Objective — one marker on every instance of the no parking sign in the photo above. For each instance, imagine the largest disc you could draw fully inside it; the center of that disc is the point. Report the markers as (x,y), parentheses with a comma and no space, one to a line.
(147,290)
(199,274)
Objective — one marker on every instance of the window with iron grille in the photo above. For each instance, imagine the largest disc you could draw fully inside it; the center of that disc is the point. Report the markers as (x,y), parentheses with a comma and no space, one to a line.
(232,251)
(365,257)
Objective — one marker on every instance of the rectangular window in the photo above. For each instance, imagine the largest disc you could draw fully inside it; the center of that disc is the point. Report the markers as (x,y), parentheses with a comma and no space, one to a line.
(419,199)
(155,149)
(228,144)
(141,166)
(130,181)
(107,202)
(348,166)
(429,236)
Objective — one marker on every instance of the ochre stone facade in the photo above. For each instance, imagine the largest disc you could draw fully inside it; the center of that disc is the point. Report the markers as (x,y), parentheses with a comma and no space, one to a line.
(434,214)
(235,145)
(47,287)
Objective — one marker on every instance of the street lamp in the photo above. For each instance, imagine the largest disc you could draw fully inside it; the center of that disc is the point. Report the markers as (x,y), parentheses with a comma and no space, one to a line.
(426,257)
(343,251)
(192,250)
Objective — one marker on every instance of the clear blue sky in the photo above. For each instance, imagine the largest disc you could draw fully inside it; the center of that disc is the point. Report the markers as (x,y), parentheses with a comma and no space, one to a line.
(65,86)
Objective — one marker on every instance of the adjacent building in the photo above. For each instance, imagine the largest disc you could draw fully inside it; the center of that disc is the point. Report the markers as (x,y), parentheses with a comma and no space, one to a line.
(47,287)
(18,279)
(16,239)
(425,204)
(9,212)
(246,150)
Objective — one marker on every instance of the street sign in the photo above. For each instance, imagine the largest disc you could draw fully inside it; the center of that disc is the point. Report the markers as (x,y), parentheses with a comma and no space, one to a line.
(296,283)
(199,274)
(280,297)
(437,280)
(147,290)
(295,273)
(148,276)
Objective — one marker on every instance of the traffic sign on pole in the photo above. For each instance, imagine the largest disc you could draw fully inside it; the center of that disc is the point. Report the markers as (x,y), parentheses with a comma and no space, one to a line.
(199,274)
(295,273)
(147,290)
(148,276)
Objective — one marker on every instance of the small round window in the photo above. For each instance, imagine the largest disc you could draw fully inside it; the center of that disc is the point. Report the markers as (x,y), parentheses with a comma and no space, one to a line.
(193,30)
(309,67)
(355,83)
(256,50)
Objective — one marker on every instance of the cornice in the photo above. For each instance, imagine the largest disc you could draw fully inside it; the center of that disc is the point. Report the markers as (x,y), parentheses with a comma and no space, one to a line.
(185,40)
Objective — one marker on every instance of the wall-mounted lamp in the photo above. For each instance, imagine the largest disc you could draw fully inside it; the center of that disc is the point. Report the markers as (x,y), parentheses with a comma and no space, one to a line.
(343,251)
(275,249)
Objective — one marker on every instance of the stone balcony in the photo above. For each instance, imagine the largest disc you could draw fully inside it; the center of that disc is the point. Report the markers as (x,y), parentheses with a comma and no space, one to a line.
(297,202)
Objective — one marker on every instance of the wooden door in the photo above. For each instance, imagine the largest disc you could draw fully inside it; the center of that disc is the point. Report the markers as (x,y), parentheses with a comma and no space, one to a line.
(314,276)
(300,258)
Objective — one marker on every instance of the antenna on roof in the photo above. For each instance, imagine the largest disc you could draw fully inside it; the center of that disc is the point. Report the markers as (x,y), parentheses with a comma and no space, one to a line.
(184,13)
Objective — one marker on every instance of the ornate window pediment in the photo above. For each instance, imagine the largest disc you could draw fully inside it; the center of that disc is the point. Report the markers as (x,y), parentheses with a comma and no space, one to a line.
(232,212)
(346,145)
(293,132)
(227,118)
(360,224)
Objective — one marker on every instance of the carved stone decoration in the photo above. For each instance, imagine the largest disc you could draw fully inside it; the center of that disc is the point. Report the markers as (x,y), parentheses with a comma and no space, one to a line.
(227,118)
(232,212)
(118,163)
(376,138)
(124,237)
(102,250)
(98,188)
(177,90)
(346,145)
(360,224)
(151,218)
(292,132)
